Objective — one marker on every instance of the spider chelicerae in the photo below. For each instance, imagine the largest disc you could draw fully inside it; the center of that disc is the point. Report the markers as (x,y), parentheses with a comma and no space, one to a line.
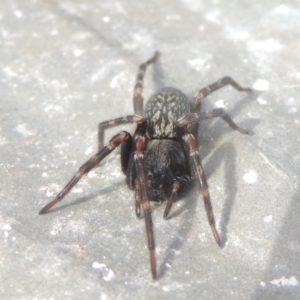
(161,159)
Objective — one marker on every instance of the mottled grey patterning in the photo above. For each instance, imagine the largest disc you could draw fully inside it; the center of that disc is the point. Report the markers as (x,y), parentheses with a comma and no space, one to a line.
(163,110)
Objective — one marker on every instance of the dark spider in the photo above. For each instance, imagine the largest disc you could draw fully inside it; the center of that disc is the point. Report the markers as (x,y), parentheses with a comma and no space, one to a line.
(162,157)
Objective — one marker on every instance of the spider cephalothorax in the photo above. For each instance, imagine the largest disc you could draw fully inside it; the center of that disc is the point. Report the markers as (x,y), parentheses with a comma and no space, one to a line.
(161,158)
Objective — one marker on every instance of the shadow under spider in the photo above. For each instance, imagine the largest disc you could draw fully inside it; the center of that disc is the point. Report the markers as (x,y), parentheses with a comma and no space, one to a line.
(100,192)
(225,153)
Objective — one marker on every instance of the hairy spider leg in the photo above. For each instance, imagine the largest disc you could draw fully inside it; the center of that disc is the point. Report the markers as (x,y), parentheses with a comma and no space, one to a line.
(173,197)
(115,122)
(85,168)
(138,87)
(137,198)
(137,103)
(190,141)
(219,112)
(140,144)
(196,101)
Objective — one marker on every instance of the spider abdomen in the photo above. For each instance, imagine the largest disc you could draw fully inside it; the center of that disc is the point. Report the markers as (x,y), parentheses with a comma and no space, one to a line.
(163,110)
(165,162)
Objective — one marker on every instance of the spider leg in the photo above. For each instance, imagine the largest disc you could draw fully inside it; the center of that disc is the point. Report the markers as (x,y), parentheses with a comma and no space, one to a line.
(196,102)
(137,103)
(85,168)
(190,141)
(138,87)
(115,122)
(137,198)
(140,143)
(219,112)
(176,186)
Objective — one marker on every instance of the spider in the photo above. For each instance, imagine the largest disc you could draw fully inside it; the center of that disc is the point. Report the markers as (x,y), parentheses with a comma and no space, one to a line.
(161,159)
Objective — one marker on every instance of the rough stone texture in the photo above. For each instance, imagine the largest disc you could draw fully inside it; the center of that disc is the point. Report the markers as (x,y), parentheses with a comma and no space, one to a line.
(67,65)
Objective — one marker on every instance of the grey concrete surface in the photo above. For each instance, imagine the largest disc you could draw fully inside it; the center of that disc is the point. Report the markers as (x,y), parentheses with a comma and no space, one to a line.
(67,65)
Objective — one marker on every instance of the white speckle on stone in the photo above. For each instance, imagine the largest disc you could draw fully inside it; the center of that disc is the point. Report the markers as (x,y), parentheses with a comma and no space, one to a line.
(88,151)
(49,193)
(92,174)
(107,274)
(236,34)
(268,219)
(77,190)
(213,17)
(3,140)
(53,232)
(261,101)
(106,19)
(18,13)
(97,265)
(220,103)
(168,265)
(269,45)
(262,283)
(6,227)
(261,85)
(282,9)
(53,107)
(77,52)
(99,74)
(250,176)
(242,35)
(291,103)
(283,281)
(292,110)
(9,72)
(45,175)
(23,130)
(166,288)
(197,63)
(115,80)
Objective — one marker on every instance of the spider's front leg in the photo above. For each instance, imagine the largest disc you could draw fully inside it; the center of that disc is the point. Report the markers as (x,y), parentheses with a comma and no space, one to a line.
(140,144)
(115,122)
(138,87)
(85,168)
(173,197)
